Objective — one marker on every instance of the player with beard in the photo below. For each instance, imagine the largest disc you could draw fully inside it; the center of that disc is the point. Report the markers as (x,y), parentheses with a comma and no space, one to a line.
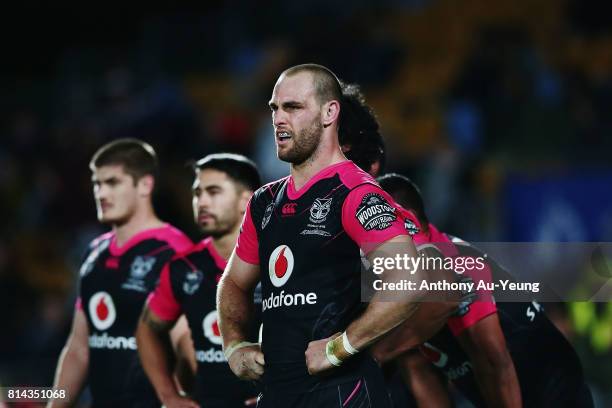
(496,354)
(222,187)
(304,232)
(119,271)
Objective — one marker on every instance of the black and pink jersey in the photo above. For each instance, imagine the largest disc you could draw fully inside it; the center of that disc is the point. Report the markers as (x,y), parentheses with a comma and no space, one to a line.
(307,244)
(476,307)
(548,368)
(188,285)
(114,285)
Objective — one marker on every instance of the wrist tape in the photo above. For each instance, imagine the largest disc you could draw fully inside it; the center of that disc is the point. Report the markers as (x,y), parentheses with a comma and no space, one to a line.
(339,349)
(235,346)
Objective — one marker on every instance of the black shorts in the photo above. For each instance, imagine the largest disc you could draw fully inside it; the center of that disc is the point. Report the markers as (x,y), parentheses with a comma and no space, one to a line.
(561,391)
(227,396)
(221,402)
(549,371)
(399,391)
(364,392)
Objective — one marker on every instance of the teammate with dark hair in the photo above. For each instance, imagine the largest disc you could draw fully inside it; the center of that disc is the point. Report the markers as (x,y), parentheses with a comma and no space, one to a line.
(304,233)
(492,362)
(488,349)
(119,271)
(223,184)
(363,143)
(359,132)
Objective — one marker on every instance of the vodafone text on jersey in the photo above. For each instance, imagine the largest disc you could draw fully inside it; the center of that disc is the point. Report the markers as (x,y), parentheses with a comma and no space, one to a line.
(280,268)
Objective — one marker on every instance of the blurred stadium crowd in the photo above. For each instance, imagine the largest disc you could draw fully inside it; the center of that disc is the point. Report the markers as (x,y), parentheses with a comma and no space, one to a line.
(500,110)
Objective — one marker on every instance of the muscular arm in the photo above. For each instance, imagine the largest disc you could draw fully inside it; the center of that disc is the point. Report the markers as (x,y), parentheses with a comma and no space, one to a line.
(235,308)
(235,300)
(382,316)
(427,320)
(155,351)
(186,365)
(386,311)
(73,364)
(493,367)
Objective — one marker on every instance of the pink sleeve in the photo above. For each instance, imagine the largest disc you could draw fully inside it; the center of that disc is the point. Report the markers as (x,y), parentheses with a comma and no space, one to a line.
(78,305)
(247,246)
(483,306)
(413,226)
(162,301)
(370,218)
(179,241)
(478,311)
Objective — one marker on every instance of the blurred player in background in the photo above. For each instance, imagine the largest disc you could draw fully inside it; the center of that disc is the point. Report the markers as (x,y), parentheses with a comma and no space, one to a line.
(222,188)
(477,327)
(359,132)
(495,354)
(363,143)
(120,269)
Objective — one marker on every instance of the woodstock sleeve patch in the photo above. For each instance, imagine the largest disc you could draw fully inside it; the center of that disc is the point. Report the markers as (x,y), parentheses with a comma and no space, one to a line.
(375,213)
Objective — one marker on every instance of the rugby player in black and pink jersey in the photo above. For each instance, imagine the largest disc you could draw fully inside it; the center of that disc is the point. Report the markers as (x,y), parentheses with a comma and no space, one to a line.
(222,187)
(301,237)
(496,354)
(504,354)
(120,269)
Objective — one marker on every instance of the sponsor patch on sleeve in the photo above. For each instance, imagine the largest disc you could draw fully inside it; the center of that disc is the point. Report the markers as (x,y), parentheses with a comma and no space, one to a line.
(375,213)
(411,227)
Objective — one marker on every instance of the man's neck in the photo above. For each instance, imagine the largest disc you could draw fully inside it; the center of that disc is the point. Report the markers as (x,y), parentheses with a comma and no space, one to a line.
(225,244)
(324,156)
(140,221)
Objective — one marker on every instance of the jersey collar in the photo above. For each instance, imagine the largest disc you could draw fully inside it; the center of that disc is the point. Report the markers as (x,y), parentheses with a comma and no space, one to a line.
(326,172)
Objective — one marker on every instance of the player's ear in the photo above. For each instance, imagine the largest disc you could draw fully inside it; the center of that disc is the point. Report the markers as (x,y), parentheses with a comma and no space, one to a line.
(243,200)
(331,112)
(145,185)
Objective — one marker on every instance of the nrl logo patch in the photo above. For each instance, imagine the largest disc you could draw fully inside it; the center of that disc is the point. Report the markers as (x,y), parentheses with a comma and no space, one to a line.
(467,298)
(267,215)
(374,213)
(141,266)
(411,227)
(192,282)
(319,210)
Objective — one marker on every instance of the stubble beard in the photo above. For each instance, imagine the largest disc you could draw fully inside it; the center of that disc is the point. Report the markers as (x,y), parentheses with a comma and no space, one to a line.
(218,229)
(304,145)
